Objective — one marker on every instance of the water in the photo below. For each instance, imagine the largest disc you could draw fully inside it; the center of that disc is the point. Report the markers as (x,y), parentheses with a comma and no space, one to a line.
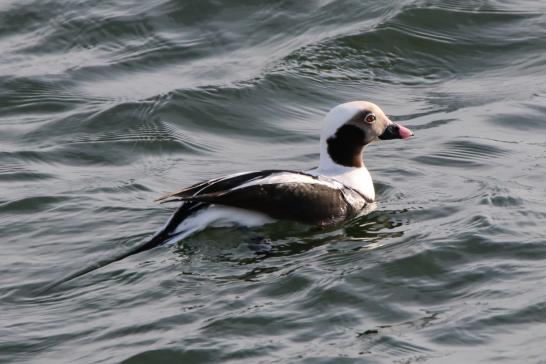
(106,105)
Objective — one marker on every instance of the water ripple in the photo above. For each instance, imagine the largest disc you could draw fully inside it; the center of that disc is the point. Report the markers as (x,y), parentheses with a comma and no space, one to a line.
(104,105)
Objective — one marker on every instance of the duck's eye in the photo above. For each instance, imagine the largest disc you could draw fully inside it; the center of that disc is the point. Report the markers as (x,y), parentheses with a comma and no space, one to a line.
(370,118)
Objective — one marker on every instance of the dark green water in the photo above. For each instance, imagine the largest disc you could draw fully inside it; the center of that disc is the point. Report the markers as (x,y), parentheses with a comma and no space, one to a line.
(105,105)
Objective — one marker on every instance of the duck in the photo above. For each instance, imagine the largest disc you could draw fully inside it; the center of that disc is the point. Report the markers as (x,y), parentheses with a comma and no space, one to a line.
(338,189)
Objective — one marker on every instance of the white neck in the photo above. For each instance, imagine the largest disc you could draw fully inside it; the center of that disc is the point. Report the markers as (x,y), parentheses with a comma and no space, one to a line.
(357,178)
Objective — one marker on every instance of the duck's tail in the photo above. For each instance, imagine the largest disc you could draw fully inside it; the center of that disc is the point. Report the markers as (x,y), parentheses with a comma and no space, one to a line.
(167,233)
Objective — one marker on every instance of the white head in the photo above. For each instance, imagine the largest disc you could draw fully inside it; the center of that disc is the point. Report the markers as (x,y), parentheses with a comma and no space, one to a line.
(348,128)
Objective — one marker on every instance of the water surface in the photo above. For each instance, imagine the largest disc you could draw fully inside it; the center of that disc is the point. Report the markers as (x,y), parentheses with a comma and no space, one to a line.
(106,105)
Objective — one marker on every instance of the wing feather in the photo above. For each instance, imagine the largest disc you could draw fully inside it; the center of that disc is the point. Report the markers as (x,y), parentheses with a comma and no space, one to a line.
(229,182)
(303,202)
(281,194)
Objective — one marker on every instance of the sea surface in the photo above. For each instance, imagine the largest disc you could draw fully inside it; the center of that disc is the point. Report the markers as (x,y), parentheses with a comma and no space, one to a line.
(106,105)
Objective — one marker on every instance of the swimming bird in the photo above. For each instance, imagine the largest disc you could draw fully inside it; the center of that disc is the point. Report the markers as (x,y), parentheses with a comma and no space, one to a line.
(339,188)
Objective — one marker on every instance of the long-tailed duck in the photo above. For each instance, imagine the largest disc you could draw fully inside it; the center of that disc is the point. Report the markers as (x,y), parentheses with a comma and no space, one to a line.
(339,188)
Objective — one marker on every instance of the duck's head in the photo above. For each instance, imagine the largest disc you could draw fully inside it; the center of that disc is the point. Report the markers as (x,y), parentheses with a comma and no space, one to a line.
(349,127)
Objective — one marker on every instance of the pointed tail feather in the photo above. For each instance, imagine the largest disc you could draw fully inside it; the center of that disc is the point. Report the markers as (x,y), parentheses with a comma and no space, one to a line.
(104,262)
(157,239)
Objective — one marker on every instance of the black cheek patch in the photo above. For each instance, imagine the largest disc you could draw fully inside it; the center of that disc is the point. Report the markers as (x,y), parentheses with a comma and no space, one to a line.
(345,147)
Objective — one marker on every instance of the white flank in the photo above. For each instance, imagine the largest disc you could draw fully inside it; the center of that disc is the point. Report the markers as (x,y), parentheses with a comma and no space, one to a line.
(218,216)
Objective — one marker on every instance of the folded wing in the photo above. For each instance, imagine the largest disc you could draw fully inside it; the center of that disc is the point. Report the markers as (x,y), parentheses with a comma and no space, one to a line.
(284,195)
